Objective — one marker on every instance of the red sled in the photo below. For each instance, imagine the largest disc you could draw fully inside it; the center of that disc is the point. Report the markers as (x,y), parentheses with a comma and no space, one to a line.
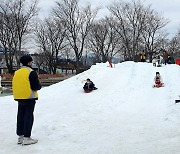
(87,91)
(158,85)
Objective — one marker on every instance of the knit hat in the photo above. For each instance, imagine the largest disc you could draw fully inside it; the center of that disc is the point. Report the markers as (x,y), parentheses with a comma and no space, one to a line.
(157,73)
(25,59)
(88,79)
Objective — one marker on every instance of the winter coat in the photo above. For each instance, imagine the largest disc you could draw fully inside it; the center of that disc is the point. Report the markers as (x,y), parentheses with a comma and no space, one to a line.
(165,55)
(178,61)
(25,84)
(158,77)
(171,60)
(89,86)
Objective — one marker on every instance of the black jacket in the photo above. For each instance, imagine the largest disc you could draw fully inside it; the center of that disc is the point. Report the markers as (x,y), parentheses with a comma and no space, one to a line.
(34,81)
(89,86)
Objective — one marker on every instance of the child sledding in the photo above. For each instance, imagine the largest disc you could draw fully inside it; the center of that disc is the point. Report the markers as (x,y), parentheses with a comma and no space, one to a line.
(89,86)
(158,81)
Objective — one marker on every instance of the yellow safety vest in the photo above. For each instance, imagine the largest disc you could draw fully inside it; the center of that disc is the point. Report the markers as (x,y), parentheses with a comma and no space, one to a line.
(21,85)
(143,56)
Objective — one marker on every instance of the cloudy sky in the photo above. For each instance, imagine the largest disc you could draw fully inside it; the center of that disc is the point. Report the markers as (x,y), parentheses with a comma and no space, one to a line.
(167,8)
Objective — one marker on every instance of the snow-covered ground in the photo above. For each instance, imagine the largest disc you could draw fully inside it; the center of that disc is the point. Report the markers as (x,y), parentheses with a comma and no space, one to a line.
(124,116)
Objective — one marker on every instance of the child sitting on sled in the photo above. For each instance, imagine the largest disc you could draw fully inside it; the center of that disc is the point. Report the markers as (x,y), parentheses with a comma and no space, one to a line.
(89,86)
(158,80)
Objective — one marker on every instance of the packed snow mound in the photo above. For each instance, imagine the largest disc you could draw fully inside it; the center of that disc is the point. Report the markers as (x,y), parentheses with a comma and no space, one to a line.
(125,115)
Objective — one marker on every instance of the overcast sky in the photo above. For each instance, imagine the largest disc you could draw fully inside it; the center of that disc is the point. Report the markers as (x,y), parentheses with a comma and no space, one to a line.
(169,9)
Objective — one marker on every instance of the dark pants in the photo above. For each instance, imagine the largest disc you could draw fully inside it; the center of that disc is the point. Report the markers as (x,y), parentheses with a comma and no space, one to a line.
(143,60)
(166,61)
(25,117)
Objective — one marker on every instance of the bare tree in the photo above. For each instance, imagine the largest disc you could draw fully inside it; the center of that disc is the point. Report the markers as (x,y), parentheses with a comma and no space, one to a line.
(50,38)
(130,21)
(137,26)
(174,46)
(16,16)
(6,39)
(152,32)
(103,39)
(78,21)
(39,59)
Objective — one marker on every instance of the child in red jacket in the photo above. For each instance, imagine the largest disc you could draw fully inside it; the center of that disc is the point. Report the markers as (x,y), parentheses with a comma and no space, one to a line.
(158,80)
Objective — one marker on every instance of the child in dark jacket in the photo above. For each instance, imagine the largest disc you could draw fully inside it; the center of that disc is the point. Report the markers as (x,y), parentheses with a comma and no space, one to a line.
(89,85)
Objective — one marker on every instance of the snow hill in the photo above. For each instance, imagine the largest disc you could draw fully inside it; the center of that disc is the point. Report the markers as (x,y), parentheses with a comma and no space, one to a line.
(124,116)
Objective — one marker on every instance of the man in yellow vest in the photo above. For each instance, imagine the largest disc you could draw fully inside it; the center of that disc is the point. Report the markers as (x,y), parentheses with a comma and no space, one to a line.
(143,56)
(25,84)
